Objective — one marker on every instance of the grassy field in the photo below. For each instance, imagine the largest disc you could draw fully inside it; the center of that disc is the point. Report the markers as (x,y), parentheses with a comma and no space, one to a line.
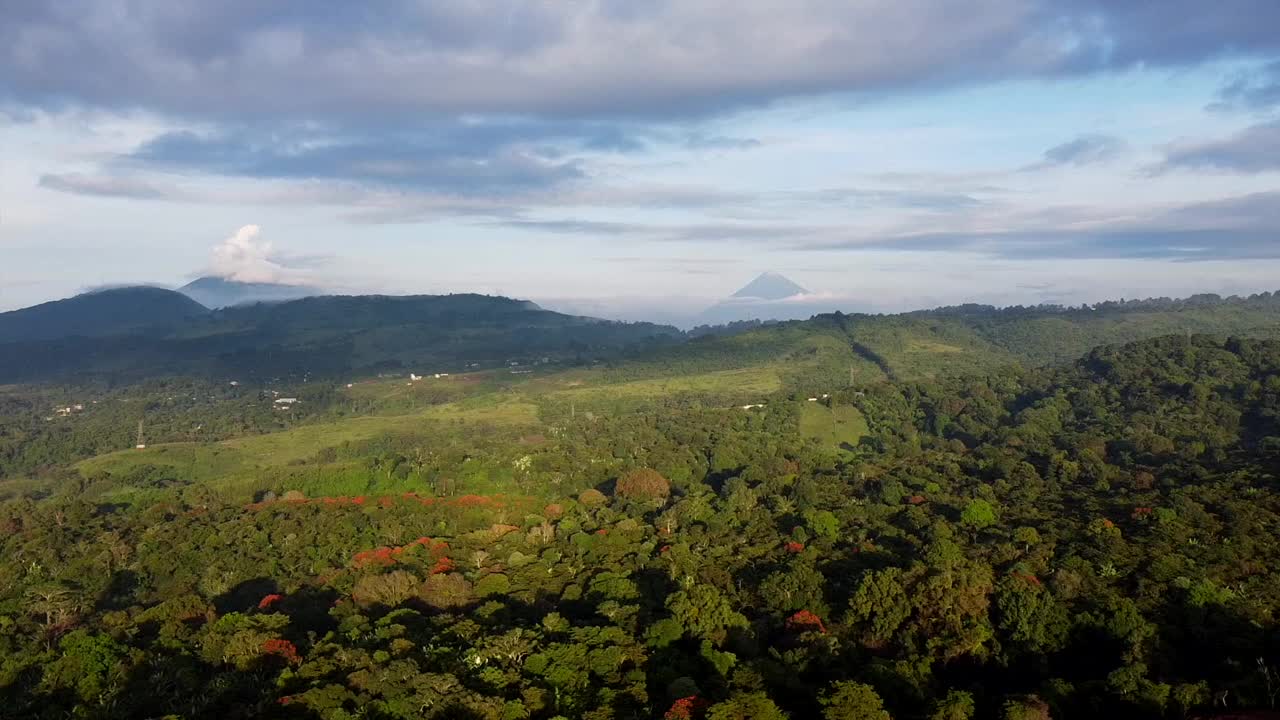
(839,426)
(914,350)
(762,380)
(241,467)
(241,457)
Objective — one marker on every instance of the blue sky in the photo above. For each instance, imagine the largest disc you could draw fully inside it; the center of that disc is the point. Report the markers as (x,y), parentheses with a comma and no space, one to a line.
(645,159)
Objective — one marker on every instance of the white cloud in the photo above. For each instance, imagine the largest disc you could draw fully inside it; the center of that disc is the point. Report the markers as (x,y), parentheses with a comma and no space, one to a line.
(246,257)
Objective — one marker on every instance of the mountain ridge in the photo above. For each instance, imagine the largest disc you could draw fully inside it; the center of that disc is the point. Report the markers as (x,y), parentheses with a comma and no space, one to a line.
(331,335)
(112,311)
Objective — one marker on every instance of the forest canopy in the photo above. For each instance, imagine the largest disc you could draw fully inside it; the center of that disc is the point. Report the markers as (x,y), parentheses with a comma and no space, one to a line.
(1088,538)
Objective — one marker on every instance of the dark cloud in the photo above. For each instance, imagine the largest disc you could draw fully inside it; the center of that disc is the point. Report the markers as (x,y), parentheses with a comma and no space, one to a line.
(494,99)
(1252,150)
(1083,150)
(402,58)
(1126,33)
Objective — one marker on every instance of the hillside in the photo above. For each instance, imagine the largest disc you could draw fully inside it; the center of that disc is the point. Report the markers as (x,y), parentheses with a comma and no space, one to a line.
(341,336)
(965,339)
(335,336)
(782,363)
(118,311)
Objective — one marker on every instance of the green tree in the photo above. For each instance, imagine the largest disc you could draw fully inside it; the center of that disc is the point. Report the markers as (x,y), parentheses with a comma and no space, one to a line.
(880,604)
(979,514)
(746,706)
(823,523)
(957,705)
(705,612)
(1029,707)
(87,665)
(847,700)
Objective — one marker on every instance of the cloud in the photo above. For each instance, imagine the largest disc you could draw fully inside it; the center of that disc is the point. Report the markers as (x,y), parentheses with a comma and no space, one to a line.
(575,227)
(1252,150)
(456,159)
(863,198)
(408,110)
(667,58)
(459,156)
(246,257)
(1083,150)
(1234,228)
(1255,90)
(104,186)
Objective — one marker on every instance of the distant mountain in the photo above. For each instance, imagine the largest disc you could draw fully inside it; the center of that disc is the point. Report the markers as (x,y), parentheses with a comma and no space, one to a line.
(770,286)
(769,297)
(215,292)
(118,311)
(338,336)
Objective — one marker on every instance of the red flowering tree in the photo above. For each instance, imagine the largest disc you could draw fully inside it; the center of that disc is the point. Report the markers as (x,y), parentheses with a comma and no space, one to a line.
(686,708)
(794,547)
(269,600)
(805,621)
(383,556)
(282,648)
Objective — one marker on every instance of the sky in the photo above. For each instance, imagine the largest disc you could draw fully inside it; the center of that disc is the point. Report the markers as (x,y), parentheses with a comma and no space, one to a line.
(644,159)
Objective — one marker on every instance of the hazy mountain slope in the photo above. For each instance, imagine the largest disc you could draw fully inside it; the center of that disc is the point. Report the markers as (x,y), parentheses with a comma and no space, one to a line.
(215,292)
(768,297)
(104,312)
(770,286)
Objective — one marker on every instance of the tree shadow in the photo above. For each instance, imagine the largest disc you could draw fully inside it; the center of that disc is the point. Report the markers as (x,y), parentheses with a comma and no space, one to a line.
(120,591)
(246,595)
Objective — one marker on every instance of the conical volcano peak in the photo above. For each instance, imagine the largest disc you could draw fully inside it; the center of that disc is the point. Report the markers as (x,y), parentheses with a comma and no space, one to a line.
(770,286)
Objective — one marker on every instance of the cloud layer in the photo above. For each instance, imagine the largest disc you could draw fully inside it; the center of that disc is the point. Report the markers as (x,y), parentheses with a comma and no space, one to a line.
(653,128)
(404,58)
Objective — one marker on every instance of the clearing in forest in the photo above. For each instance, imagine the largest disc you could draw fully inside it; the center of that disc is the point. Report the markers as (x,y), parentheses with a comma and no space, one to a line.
(836,426)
